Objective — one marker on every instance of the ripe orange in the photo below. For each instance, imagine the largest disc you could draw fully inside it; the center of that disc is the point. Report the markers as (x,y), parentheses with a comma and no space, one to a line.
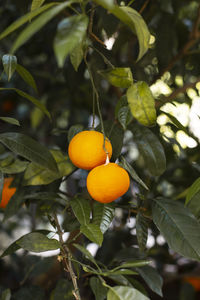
(7,192)
(107,182)
(194,281)
(86,149)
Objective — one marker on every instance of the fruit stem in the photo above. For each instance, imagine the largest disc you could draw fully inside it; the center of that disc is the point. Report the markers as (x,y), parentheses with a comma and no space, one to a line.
(96,95)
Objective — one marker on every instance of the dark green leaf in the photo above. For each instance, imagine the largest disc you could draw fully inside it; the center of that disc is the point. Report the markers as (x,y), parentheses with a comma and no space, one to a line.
(36,4)
(6,295)
(29,149)
(103,215)
(16,166)
(132,172)
(152,278)
(93,233)
(123,272)
(141,230)
(37,24)
(38,175)
(30,98)
(73,131)
(124,116)
(176,122)
(81,209)
(125,293)
(15,246)
(63,290)
(26,76)
(133,264)
(86,253)
(178,226)
(142,103)
(9,64)
(150,148)
(98,289)
(14,205)
(119,77)
(70,33)
(37,242)
(193,198)
(10,120)
(76,56)
(70,223)
(24,19)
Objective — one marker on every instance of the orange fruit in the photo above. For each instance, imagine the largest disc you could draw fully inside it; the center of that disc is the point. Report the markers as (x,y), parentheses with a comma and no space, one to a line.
(86,149)
(194,281)
(107,182)
(7,192)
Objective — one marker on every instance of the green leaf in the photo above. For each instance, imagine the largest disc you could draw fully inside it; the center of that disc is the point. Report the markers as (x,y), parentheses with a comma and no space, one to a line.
(150,148)
(26,76)
(193,193)
(26,18)
(70,223)
(63,290)
(176,122)
(37,24)
(73,130)
(70,33)
(29,149)
(93,233)
(81,209)
(133,19)
(30,98)
(9,64)
(178,226)
(98,289)
(142,103)
(119,77)
(10,120)
(36,4)
(76,56)
(125,293)
(103,215)
(133,264)
(132,172)
(37,242)
(15,246)
(16,166)
(14,205)
(152,278)
(123,272)
(141,230)
(6,295)
(124,116)
(87,254)
(38,175)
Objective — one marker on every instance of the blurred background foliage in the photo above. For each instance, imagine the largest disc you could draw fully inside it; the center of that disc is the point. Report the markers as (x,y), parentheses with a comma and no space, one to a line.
(172,70)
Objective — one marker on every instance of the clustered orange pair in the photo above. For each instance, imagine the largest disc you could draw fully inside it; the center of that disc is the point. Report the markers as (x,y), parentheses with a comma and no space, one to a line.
(106,181)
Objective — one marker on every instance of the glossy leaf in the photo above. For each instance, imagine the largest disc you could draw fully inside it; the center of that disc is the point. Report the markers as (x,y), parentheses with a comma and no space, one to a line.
(70,33)
(15,246)
(93,233)
(141,230)
(24,19)
(98,289)
(193,192)
(152,278)
(119,77)
(132,172)
(38,175)
(86,253)
(73,130)
(142,103)
(150,148)
(125,293)
(37,242)
(178,226)
(6,295)
(29,149)
(36,4)
(37,24)
(30,98)
(26,76)
(9,64)
(10,120)
(103,215)
(16,166)
(81,209)
(133,19)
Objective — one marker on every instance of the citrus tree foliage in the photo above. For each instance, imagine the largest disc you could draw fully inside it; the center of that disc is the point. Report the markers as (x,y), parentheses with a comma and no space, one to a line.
(130,70)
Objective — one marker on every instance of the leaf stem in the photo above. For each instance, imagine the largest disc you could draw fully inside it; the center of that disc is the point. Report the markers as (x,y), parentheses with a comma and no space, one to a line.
(67,257)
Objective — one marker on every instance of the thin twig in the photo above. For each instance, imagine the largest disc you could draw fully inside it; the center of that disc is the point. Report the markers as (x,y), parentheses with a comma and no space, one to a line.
(67,259)
(144,6)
